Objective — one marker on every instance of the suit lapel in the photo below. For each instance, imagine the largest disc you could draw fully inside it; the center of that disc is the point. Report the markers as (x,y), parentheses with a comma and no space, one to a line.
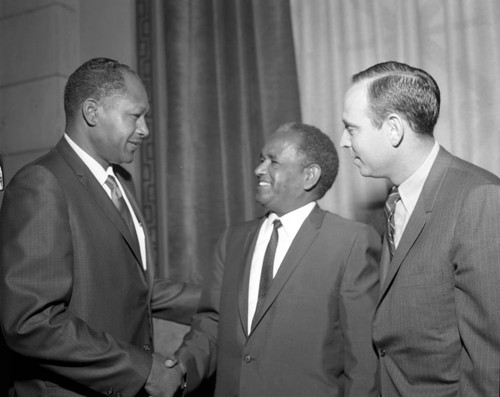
(419,217)
(97,193)
(244,276)
(300,244)
(150,262)
(413,229)
(121,224)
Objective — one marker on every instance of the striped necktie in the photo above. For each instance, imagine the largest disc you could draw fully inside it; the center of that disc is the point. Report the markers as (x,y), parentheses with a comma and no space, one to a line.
(121,205)
(389,209)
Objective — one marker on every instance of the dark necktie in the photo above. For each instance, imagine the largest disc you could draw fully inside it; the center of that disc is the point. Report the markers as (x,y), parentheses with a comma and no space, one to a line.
(266,277)
(390,208)
(121,205)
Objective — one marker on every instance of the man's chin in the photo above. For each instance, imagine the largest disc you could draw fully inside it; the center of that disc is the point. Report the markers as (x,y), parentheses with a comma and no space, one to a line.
(259,199)
(127,158)
(262,199)
(363,171)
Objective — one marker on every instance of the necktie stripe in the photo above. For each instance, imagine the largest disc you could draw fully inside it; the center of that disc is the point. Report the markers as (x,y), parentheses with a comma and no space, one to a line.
(389,209)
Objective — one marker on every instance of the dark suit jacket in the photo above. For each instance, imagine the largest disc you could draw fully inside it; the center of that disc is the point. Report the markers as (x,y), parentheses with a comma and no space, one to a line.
(75,303)
(437,324)
(313,334)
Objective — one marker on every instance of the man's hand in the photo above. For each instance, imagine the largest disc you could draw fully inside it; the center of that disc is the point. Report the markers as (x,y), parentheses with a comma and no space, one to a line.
(163,380)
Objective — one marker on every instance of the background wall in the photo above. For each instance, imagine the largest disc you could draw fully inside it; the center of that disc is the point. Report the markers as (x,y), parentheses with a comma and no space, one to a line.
(456,41)
(41,43)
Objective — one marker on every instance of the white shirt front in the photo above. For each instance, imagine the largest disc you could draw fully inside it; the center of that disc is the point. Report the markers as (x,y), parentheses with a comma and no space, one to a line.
(102,175)
(410,191)
(291,223)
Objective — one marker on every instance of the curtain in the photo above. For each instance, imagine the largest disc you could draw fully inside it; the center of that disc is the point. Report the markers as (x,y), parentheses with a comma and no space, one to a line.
(456,41)
(221,75)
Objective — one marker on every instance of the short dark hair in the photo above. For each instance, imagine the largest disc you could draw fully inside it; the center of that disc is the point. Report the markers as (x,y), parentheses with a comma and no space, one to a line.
(316,148)
(97,78)
(395,87)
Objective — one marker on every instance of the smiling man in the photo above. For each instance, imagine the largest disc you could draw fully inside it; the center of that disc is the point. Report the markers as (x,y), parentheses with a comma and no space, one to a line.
(287,305)
(77,287)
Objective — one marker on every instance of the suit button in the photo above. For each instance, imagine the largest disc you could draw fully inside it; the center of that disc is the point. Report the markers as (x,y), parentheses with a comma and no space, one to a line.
(109,392)
(147,348)
(381,353)
(247,358)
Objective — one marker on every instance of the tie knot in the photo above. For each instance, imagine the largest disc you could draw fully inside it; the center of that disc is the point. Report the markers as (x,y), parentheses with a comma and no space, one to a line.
(390,204)
(111,182)
(393,197)
(113,186)
(277,224)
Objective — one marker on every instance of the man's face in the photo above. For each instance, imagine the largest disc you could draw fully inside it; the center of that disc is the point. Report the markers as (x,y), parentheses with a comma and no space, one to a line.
(280,175)
(121,124)
(369,146)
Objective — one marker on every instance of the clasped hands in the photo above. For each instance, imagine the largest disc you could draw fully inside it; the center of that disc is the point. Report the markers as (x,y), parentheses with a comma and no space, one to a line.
(166,377)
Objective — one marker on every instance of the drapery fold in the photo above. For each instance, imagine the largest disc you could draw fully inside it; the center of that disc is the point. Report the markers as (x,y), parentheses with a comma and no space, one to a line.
(455,41)
(227,69)
(224,74)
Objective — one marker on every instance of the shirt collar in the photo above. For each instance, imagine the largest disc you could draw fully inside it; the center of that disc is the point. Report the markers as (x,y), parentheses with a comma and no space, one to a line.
(410,189)
(293,220)
(100,173)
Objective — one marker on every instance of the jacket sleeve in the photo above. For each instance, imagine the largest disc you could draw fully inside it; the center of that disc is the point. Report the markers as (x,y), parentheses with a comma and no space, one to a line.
(359,295)
(175,301)
(476,258)
(36,278)
(198,351)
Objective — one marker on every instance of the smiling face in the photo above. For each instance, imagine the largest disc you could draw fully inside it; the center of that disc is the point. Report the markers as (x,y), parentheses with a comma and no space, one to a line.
(369,146)
(281,175)
(120,124)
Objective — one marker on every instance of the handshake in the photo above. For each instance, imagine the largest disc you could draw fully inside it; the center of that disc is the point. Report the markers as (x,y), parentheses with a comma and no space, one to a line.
(167,377)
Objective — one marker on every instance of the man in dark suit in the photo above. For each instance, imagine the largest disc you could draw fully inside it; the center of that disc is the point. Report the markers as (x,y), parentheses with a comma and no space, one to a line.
(305,329)
(77,288)
(437,323)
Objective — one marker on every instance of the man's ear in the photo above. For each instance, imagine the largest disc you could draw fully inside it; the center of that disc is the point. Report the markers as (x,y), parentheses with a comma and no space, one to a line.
(396,129)
(312,173)
(89,111)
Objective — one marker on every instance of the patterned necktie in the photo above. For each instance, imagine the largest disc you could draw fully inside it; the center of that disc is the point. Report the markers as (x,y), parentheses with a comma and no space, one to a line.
(266,277)
(121,205)
(389,209)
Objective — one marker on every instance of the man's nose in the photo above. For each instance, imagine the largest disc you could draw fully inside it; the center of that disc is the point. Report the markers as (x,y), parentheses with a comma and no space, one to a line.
(142,127)
(345,140)
(260,169)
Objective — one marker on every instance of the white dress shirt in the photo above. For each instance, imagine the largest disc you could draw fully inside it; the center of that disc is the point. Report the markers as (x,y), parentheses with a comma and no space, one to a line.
(102,175)
(291,224)
(410,191)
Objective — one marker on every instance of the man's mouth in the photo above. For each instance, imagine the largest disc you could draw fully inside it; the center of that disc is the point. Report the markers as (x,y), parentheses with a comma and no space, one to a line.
(263,184)
(135,143)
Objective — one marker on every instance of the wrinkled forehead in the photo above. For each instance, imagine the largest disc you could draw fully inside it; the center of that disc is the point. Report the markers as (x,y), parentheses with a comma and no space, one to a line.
(281,146)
